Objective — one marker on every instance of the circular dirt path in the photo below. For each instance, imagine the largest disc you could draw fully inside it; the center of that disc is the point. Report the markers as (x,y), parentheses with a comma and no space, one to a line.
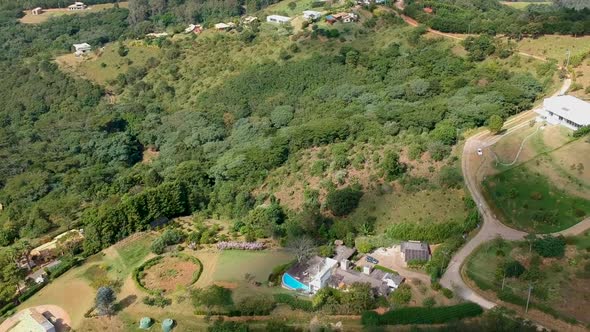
(56,314)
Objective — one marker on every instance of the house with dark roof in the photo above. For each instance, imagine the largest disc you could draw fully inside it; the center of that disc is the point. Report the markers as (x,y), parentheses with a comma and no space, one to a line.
(415,250)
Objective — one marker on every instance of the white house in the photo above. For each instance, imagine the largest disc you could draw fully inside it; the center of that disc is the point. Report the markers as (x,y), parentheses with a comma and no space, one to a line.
(311,15)
(37,11)
(77,6)
(82,48)
(278,19)
(567,111)
(320,279)
(225,26)
(249,19)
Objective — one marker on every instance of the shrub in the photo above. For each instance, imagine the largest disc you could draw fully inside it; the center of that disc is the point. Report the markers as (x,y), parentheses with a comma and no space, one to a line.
(549,246)
(419,315)
(401,296)
(343,201)
(157,301)
(447,293)
(294,302)
(240,245)
(429,302)
(435,285)
(256,305)
(513,269)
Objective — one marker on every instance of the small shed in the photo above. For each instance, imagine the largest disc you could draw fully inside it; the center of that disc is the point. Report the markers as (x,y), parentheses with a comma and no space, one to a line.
(77,6)
(167,325)
(37,11)
(145,323)
(278,19)
(81,49)
(415,250)
(331,19)
(311,15)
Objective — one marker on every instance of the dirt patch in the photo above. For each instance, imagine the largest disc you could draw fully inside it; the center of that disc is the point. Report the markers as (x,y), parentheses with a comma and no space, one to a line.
(149,155)
(227,284)
(170,273)
(209,261)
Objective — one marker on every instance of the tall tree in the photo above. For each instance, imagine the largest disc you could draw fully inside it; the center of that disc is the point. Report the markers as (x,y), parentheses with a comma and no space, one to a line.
(138,11)
(105,297)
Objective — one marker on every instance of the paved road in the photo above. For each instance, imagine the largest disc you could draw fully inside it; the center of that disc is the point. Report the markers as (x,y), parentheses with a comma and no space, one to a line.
(491,227)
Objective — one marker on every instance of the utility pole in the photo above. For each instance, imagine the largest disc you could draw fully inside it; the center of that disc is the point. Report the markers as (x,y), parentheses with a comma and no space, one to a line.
(528,298)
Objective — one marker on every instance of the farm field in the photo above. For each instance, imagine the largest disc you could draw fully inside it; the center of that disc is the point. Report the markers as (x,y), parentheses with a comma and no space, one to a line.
(560,284)
(53,12)
(105,64)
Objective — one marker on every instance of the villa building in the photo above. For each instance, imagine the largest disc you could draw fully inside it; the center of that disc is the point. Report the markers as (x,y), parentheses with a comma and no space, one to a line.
(567,111)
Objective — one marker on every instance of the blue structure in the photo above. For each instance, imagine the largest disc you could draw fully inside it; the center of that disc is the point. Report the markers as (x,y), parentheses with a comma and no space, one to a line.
(293,284)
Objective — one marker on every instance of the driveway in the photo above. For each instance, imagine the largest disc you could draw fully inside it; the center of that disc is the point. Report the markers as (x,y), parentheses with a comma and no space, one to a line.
(391,259)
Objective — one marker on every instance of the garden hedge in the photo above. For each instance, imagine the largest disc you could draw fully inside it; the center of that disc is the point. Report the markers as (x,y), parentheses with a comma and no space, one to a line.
(422,315)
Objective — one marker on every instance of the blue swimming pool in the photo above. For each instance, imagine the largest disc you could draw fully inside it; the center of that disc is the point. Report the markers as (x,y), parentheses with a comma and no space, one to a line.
(293,284)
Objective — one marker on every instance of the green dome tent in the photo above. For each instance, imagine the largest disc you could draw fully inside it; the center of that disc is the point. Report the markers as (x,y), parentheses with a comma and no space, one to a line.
(167,325)
(145,323)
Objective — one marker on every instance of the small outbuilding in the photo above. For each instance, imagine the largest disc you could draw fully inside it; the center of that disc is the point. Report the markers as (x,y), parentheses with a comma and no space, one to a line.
(249,19)
(278,19)
(194,28)
(225,26)
(81,49)
(37,11)
(145,323)
(167,325)
(311,15)
(31,320)
(415,250)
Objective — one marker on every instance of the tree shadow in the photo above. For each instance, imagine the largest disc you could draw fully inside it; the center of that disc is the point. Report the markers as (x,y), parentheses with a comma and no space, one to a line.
(126,302)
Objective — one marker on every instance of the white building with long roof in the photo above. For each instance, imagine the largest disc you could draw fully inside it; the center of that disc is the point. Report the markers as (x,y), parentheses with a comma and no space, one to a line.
(567,111)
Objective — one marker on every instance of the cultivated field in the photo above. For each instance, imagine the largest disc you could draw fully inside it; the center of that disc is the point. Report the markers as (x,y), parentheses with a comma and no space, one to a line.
(563,284)
(29,18)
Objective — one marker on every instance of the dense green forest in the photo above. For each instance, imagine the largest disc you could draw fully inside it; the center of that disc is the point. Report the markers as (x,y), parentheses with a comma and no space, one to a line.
(489,16)
(73,158)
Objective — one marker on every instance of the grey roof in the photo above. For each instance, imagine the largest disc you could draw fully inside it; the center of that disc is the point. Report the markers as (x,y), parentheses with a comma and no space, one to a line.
(569,107)
(344,252)
(414,250)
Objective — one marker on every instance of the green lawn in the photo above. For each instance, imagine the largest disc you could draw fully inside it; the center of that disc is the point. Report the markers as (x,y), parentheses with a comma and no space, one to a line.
(134,252)
(232,265)
(528,201)
(437,205)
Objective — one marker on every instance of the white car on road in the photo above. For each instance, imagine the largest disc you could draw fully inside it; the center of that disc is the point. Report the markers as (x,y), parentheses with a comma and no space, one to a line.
(479,152)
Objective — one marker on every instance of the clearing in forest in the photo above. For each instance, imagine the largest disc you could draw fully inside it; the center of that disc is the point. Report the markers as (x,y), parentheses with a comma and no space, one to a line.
(48,13)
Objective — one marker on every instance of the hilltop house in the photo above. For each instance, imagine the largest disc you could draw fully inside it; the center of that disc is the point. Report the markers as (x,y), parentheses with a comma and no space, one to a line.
(30,320)
(415,250)
(77,6)
(37,11)
(567,111)
(81,49)
(224,26)
(278,19)
(311,15)
(249,19)
(194,28)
